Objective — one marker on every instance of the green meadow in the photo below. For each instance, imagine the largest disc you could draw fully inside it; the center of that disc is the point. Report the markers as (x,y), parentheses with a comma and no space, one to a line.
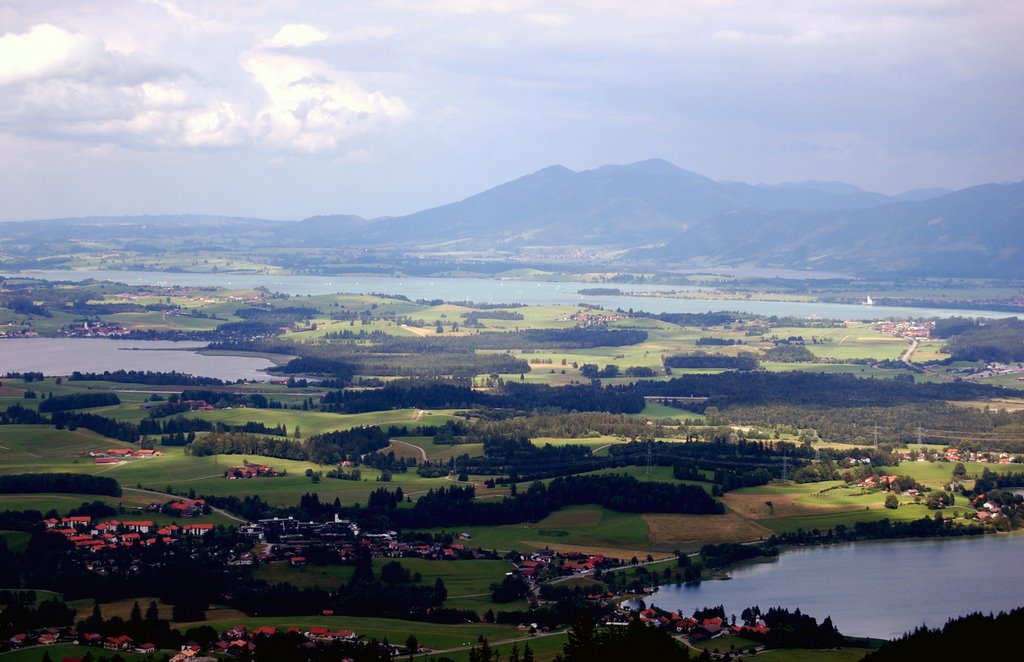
(586,527)
(58,652)
(431,635)
(467,578)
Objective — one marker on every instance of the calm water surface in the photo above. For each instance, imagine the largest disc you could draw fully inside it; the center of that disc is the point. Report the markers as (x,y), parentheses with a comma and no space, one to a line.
(877,589)
(498,291)
(62,356)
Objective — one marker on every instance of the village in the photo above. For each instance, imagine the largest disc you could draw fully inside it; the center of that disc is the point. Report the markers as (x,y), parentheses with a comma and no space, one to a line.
(907,328)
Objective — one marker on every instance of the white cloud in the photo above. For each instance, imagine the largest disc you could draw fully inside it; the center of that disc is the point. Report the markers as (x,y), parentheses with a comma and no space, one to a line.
(45,51)
(64,84)
(296,35)
(312,107)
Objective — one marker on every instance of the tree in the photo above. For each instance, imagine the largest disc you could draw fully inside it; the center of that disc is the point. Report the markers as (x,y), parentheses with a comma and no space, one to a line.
(412,644)
(892,502)
(582,644)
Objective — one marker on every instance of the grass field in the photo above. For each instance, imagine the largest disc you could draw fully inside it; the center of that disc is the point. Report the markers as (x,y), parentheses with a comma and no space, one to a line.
(814,655)
(584,528)
(58,652)
(545,647)
(16,541)
(431,635)
(461,578)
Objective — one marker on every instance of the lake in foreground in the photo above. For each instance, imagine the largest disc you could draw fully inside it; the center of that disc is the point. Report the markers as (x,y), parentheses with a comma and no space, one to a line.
(876,589)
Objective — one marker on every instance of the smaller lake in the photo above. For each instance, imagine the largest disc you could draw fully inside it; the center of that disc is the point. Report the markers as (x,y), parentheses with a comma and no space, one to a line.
(62,356)
(876,589)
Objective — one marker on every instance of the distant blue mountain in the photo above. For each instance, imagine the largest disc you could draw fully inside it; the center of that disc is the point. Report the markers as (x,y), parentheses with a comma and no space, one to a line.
(651,213)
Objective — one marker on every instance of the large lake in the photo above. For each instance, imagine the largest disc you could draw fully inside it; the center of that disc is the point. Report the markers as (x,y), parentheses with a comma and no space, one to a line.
(877,589)
(62,356)
(505,291)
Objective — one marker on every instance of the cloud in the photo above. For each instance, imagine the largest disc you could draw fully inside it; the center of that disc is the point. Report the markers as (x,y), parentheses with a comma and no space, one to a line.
(311,107)
(62,84)
(47,51)
(296,35)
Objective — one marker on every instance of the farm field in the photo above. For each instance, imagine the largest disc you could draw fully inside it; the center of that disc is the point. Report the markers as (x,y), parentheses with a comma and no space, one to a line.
(316,422)
(588,529)
(431,635)
(545,647)
(62,651)
(461,578)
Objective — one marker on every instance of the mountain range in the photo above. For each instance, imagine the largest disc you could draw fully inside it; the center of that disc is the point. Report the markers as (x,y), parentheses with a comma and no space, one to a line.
(653,213)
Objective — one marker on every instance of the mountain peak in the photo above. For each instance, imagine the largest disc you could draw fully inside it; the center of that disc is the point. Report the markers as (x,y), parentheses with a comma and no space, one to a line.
(650,167)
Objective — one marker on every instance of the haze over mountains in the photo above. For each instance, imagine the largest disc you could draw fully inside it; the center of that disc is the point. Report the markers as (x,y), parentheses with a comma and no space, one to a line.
(654,212)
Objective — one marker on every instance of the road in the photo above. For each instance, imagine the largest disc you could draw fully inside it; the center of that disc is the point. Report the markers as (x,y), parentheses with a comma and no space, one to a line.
(909,354)
(219,511)
(423,453)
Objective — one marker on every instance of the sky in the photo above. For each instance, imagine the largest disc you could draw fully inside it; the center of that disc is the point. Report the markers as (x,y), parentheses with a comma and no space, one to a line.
(285,109)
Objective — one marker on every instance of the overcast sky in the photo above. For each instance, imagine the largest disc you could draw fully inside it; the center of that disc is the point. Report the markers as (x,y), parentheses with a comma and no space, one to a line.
(285,109)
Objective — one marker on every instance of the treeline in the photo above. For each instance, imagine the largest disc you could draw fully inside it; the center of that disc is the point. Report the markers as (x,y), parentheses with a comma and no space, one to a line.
(730,553)
(319,366)
(328,448)
(512,396)
(59,482)
(822,390)
(378,359)
(989,480)
(989,340)
(108,427)
(636,641)
(575,425)
(699,319)
(404,394)
(78,401)
(455,505)
(716,341)
(288,313)
(234,443)
(788,629)
(516,454)
(145,377)
(789,354)
(472,319)
(883,529)
(738,456)
(971,637)
(896,422)
(701,360)
(16,414)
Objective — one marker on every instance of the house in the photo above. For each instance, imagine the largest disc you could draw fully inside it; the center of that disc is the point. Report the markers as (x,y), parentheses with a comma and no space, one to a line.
(196,529)
(139,526)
